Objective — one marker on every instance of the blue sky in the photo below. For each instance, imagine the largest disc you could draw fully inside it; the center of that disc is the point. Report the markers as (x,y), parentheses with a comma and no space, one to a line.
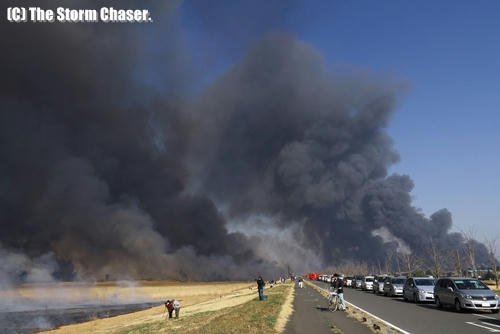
(447,126)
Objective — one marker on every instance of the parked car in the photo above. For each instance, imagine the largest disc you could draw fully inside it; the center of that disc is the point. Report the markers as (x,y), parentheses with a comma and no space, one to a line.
(358,282)
(419,289)
(465,293)
(313,276)
(378,284)
(394,286)
(367,283)
(348,281)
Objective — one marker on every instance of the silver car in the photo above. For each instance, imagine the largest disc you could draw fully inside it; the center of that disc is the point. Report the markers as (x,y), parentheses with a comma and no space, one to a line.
(367,283)
(358,282)
(394,286)
(419,289)
(348,281)
(378,284)
(465,293)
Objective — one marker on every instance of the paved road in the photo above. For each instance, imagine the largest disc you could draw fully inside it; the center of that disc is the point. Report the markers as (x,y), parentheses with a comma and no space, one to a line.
(422,318)
(311,315)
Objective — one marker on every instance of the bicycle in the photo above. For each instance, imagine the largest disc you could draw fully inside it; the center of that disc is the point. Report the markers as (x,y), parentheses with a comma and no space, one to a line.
(333,302)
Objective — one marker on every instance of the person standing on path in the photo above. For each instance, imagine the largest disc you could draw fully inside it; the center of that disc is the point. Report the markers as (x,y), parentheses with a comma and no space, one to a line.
(339,286)
(260,287)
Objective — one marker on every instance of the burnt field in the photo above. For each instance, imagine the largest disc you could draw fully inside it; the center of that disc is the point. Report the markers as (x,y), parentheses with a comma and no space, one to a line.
(44,319)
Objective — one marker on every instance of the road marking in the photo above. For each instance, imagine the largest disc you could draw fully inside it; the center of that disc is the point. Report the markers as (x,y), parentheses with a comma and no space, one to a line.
(485,316)
(492,330)
(372,315)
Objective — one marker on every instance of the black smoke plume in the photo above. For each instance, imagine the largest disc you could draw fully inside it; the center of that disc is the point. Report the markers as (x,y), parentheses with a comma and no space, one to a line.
(292,140)
(94,159)
(112,167)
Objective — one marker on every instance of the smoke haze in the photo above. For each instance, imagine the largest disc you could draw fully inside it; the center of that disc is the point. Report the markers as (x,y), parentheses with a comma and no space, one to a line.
(113,167)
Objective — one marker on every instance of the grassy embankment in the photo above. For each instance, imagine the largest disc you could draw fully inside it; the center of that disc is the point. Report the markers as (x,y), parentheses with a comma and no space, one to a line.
(251,317)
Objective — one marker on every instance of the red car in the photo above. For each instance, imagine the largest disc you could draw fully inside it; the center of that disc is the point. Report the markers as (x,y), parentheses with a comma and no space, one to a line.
(313,276)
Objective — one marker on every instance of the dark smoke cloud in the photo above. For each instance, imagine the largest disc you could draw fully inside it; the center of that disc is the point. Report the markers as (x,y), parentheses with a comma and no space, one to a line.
(94,160)
(288,138)
(107,167)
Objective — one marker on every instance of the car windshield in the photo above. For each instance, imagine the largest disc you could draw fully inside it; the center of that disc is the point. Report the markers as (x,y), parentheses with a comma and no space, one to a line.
(425,282)
(398,281)
(470,284)
(369,279)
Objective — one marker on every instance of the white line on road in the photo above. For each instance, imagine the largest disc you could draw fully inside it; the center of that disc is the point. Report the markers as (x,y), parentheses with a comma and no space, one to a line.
(492,330)
(372,315)
(485,316)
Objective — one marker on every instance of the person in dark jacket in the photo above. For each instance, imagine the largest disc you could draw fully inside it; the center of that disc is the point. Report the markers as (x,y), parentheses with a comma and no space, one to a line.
(260,287)
(338,284)
(169,305)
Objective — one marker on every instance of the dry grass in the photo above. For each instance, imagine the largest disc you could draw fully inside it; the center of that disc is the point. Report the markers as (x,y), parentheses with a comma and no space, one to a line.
(250,317)
(286,310)
(122,292)
(194,297)
(206,308)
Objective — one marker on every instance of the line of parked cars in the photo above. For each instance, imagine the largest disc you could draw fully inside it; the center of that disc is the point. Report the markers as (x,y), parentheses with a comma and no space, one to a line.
(325,278)
(459,292)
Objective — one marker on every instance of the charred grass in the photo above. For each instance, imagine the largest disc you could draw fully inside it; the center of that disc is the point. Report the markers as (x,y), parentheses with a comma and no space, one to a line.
(253,317)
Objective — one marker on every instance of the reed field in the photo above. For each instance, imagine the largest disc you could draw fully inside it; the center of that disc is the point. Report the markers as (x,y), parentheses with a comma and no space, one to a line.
(71,293)
(220,307)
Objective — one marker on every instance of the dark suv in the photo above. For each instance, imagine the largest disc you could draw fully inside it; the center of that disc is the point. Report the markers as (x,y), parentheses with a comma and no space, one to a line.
(465,293)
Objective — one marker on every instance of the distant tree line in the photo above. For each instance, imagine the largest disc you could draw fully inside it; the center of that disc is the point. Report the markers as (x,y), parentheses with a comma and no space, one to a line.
(433,261)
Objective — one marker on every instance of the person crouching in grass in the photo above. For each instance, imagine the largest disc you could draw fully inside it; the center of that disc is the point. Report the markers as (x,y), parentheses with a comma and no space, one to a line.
(170,307)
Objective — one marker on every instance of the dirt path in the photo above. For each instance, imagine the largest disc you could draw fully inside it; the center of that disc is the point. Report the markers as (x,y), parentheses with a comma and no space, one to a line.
(312,316)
